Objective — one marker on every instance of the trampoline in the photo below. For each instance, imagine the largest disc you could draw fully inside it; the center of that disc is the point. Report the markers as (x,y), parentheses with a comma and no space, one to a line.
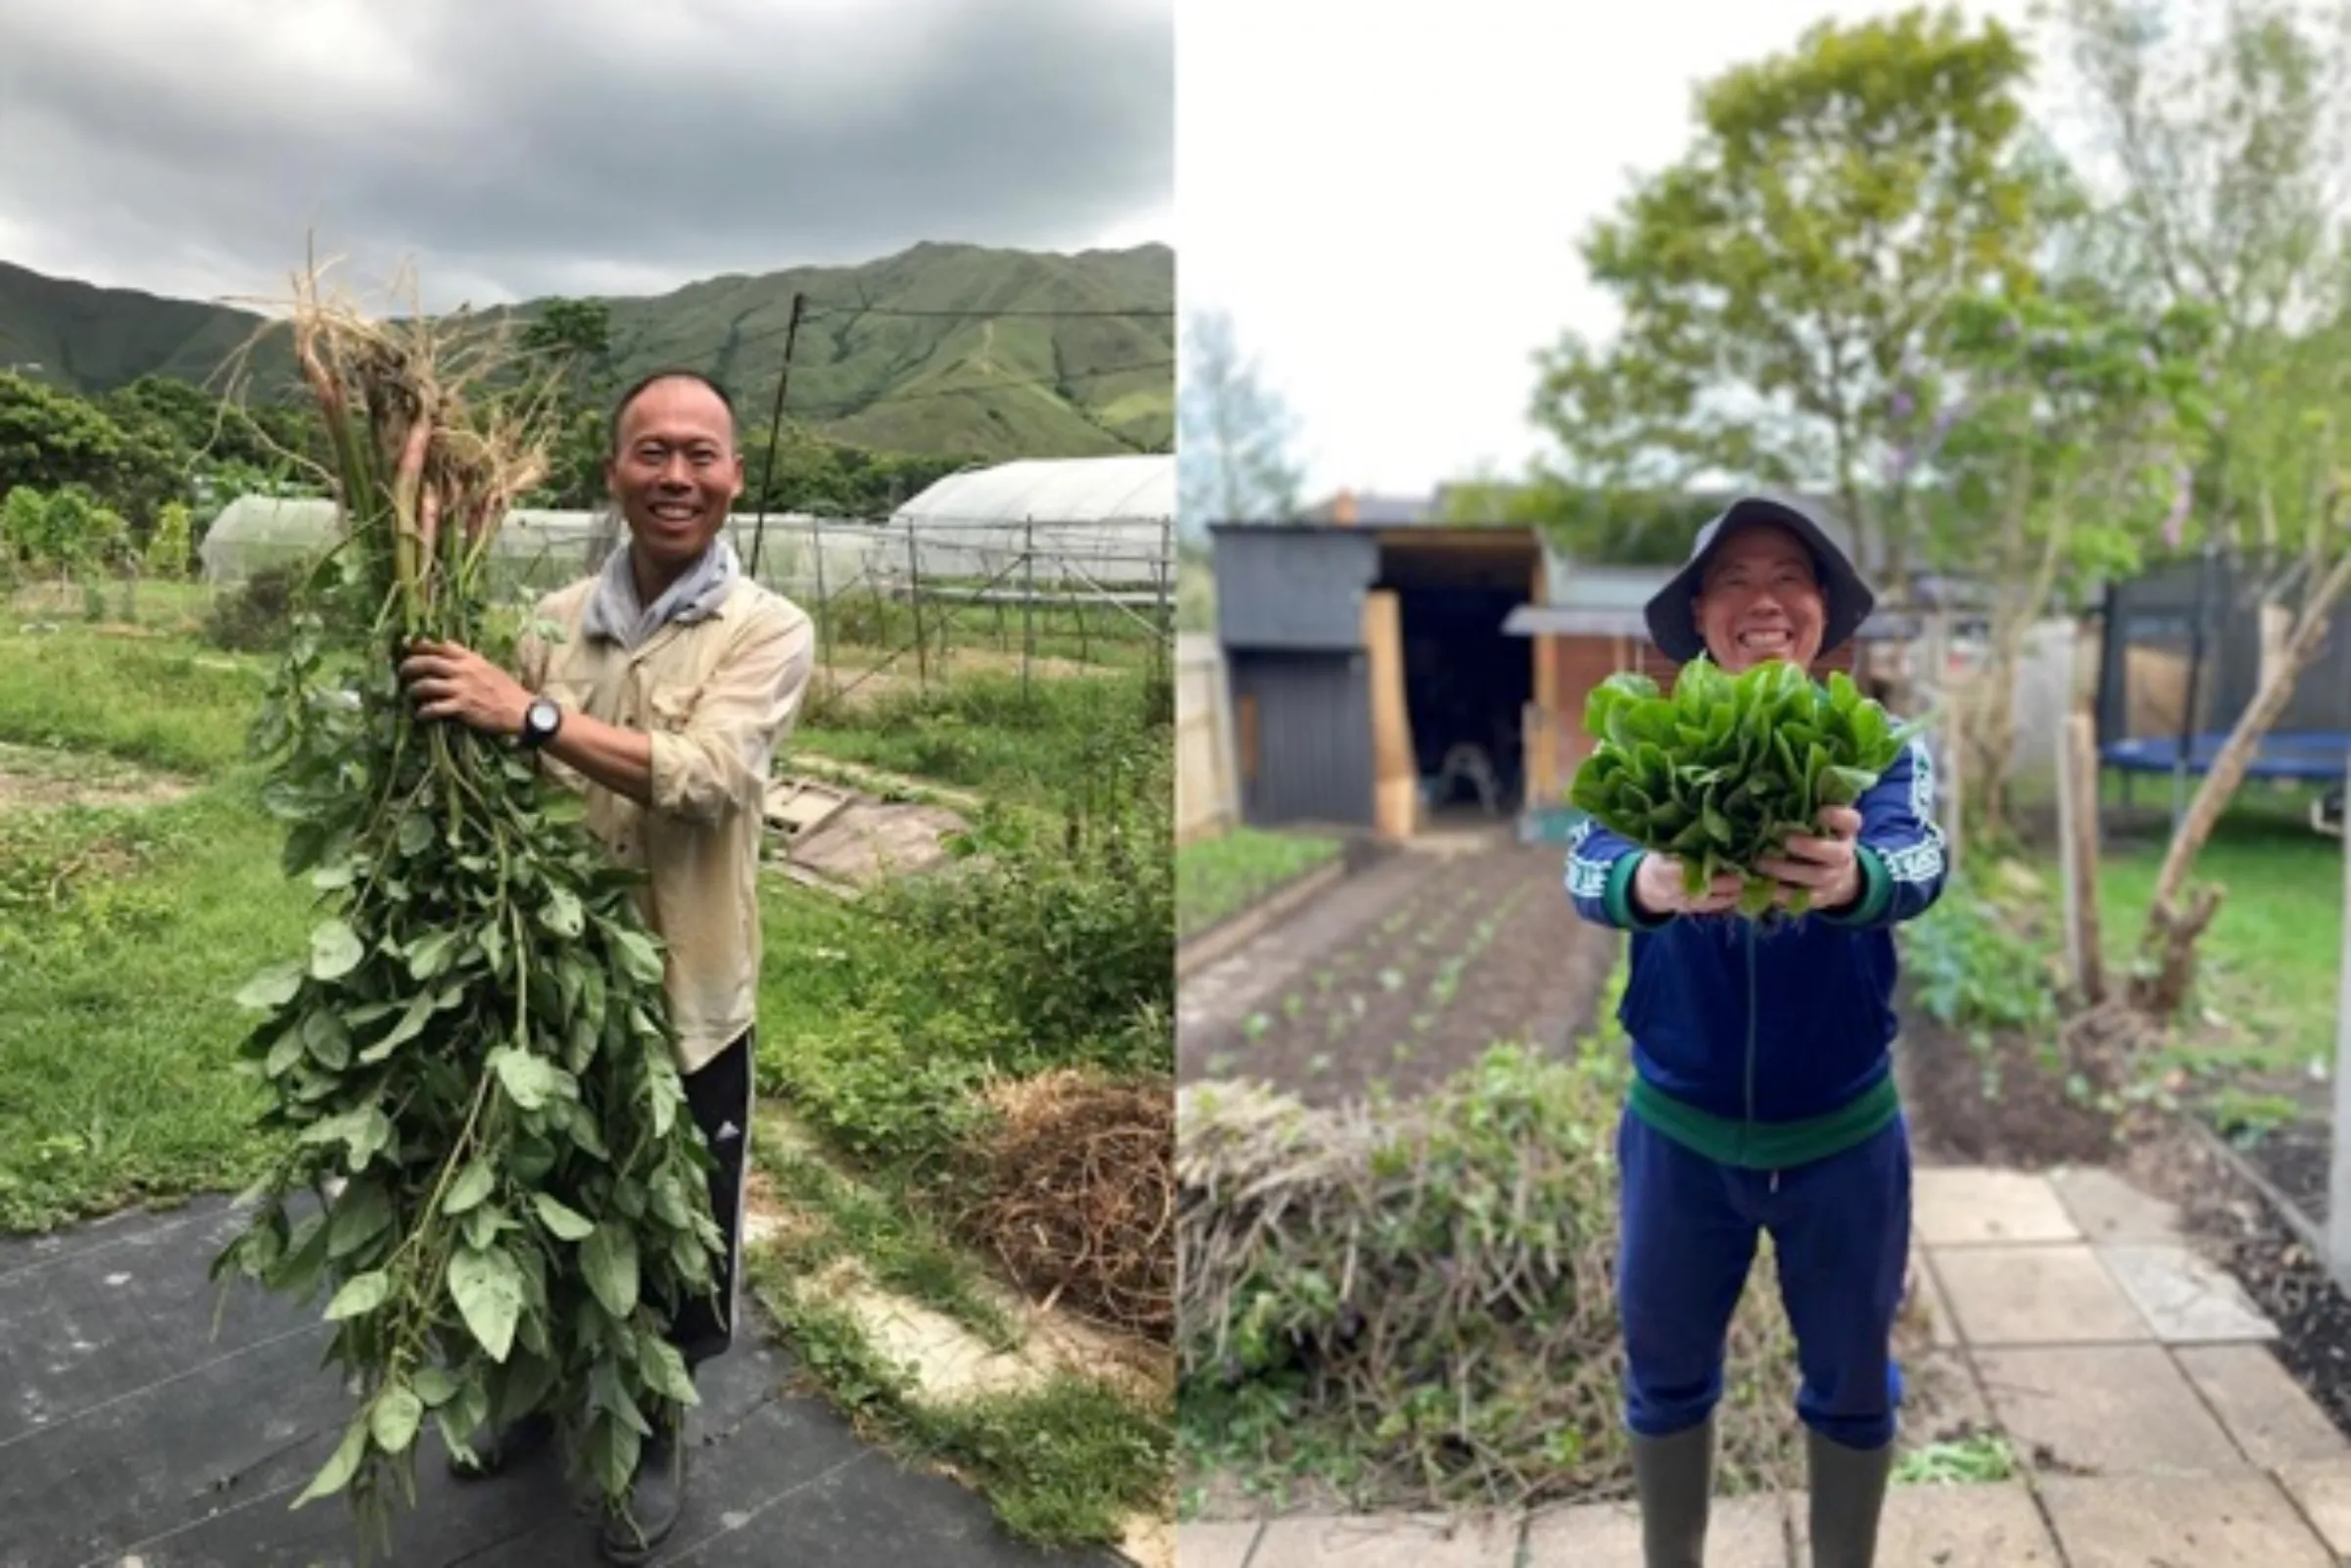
(2315,757)
(2182,656)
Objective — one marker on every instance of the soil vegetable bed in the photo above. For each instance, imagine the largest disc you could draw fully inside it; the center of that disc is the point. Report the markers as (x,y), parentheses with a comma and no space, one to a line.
(1485,948)
(2238,1227)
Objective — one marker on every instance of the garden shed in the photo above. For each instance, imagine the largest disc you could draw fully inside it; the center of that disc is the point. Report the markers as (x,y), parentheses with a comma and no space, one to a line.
(1372,681)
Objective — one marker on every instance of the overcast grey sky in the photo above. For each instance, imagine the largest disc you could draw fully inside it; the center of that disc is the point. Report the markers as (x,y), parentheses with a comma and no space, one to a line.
(512,148)
(1397,298)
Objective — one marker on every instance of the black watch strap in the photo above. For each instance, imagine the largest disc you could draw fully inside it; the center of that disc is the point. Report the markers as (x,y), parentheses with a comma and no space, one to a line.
(540,721)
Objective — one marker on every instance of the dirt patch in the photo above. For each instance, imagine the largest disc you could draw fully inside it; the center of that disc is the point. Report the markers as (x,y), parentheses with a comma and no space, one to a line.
(32,780)
(2233,1223)
(1480,947)
(1999,1103)
(870,840)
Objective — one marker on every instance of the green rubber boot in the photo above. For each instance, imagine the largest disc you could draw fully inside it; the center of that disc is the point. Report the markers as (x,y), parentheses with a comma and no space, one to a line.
(1675,1479)
(1849,1493)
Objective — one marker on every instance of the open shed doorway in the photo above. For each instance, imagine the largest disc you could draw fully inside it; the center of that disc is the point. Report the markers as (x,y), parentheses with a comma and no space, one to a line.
(1465,685)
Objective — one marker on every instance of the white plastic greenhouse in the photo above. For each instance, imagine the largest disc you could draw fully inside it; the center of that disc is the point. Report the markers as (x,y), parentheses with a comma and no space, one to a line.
(537,549)
(1105,522)
(1096,526)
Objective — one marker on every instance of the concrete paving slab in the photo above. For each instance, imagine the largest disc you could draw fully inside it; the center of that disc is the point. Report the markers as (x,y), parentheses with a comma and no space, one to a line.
(1942,1327)
(2109,1210)
(2106,1410)
(2046,1295)
(1945,1380)
(2323,1490)
(1741,1533)
(2185,1299)
(1392,1541)
(1957,1206)
(2207,1521)
(1216,1544)
(1990,1526)
(2261,1405)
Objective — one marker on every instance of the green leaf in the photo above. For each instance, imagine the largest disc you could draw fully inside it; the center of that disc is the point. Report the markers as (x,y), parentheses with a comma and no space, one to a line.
(564,1224)
(411,1023)
(665,1371)
(473,1184)
(360,1294)
(638,957)
(270,989)
(340,1468)
(363,1214)
(435,1386)
(430,954)
(608,1259)
(528,1080)
(329,1041)
(397,1415)
(416,834)
(335,951)
(564,915)
(284,1052)
(488,1290)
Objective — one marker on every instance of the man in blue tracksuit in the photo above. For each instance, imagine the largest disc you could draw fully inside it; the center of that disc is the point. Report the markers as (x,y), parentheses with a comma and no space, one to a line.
(1763,1098)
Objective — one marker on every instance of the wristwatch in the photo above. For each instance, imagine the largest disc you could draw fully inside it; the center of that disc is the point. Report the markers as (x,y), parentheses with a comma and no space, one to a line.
(540,721)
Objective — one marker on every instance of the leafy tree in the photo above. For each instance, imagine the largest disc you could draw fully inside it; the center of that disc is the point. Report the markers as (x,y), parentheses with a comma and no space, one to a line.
(2064,451)
(50,438)
(2222,124)
(171,548)
(1792,270)
(1232,461)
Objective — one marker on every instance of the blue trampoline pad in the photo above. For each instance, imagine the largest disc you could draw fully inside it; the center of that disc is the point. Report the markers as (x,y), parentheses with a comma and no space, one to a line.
(2315,754)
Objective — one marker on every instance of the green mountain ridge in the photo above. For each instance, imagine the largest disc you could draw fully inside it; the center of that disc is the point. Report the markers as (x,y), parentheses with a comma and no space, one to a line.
(942,348)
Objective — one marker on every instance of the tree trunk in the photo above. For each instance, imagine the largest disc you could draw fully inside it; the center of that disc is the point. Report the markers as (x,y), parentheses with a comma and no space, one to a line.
(2168,948)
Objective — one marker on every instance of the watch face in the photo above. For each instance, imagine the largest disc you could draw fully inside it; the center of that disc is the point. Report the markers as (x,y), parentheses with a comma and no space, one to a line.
(541,720)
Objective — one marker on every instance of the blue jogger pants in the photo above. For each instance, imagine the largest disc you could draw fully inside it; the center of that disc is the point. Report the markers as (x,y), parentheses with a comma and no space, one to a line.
(1840,1227)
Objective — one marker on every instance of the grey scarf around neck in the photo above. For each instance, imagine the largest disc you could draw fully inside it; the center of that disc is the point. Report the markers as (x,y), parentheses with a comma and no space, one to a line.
(614,614)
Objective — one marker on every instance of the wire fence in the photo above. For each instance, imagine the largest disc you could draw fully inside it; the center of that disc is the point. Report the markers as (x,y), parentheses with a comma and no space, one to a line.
(894,600)
(936,596)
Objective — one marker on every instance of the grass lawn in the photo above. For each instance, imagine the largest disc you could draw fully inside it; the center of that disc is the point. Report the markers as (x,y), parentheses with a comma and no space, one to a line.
(124,930)
(1216,877)
(2269,962)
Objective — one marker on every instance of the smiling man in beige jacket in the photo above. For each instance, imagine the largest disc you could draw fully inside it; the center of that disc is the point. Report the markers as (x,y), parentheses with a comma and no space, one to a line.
(673,680)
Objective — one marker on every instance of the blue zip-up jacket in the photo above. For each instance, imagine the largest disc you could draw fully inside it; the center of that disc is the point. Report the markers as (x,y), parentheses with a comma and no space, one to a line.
(1782,1023)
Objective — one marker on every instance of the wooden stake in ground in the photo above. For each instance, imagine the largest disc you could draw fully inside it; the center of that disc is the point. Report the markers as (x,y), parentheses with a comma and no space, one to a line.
(2338,1183)
(2170,939)
(2078,838)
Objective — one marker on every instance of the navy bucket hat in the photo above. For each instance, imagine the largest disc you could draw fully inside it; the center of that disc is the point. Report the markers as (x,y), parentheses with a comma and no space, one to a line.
(1848,599)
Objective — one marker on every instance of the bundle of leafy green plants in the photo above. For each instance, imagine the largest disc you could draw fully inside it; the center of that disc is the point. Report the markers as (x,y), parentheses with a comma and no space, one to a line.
(470,1069)
(1720,771)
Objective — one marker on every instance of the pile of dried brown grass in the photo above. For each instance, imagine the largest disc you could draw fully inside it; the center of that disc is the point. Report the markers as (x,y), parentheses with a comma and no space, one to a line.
(1079,1196)
(1428,1288)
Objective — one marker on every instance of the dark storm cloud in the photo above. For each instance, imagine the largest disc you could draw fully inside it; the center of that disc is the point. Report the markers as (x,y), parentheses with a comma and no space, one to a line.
(523,147)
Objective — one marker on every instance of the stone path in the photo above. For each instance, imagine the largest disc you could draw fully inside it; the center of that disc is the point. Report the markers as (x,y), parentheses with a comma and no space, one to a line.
(2152,1426)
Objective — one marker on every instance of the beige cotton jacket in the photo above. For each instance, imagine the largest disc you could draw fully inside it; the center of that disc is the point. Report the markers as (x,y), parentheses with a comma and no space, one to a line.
(717,697)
